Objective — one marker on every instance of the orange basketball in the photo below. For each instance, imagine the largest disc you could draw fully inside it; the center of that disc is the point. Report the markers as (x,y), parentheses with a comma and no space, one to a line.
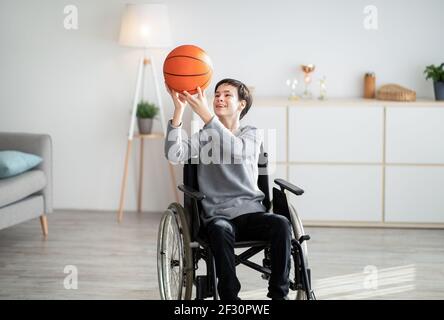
(186,68)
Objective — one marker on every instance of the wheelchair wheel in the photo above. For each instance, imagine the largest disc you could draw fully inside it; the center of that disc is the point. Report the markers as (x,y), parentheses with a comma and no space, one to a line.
(298,231)
(174,258)
(298,228)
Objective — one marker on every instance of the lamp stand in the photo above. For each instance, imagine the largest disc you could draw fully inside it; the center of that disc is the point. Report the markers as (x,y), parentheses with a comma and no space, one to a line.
(142,63)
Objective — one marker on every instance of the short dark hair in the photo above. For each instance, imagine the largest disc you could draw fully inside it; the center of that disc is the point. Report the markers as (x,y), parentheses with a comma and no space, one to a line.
(242,92)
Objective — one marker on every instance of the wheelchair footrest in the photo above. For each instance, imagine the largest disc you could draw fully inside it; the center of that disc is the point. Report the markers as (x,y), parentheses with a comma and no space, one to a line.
(203,289)
(266,263)
(297,285)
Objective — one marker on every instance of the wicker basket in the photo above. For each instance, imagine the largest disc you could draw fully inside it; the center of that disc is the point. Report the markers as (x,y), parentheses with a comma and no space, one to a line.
(394,92)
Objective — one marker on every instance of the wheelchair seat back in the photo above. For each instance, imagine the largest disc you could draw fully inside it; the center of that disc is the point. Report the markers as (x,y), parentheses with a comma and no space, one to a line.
(194,208)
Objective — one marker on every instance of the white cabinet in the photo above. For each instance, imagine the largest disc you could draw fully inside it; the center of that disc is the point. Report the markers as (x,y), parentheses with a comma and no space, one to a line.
(273,121)
(415,135)
(414,194)
(338,192)
(361,162)
(334,133)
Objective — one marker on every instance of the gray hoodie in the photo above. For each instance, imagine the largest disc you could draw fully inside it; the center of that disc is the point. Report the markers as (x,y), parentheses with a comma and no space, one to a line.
(227,166)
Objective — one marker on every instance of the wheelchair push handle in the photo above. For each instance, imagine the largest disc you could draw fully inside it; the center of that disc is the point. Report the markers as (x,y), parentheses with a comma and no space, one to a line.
(289,186)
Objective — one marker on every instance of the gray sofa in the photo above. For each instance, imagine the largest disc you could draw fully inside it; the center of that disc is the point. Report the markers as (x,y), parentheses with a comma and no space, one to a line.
(27,195)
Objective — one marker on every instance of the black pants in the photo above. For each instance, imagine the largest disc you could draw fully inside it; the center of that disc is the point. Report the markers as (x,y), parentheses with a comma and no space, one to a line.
(263,226)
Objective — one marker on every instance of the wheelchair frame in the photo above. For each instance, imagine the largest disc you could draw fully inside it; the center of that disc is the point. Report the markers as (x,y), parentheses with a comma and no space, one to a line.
(180,226)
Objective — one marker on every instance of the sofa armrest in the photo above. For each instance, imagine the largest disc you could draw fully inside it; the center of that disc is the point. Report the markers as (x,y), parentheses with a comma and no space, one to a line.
(38,144)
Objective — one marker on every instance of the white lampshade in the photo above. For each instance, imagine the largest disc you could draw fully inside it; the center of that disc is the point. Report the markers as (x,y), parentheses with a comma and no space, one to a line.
(146,26)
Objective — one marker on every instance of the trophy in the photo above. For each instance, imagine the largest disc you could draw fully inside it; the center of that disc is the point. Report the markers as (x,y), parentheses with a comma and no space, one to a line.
(307,69)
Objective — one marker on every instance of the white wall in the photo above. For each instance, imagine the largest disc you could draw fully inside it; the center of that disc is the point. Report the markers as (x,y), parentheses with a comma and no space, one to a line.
(77,85)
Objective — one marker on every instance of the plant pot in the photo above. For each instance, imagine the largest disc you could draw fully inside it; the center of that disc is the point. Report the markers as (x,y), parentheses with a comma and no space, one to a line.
(439,90)
(145,125)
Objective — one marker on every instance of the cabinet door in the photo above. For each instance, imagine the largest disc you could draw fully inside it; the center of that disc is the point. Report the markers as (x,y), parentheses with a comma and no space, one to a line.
(338,193)
(336,134)
(414,194)
(273,121)
(415,135)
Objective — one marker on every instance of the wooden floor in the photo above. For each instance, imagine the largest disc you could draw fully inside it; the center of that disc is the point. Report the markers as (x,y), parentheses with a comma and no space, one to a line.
(119,261)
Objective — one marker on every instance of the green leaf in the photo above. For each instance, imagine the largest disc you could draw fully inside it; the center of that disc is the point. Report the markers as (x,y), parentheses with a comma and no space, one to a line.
(435,72)
(147,110)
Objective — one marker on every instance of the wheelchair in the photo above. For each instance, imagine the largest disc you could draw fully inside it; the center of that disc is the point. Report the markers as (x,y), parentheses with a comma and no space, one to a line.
(182,243)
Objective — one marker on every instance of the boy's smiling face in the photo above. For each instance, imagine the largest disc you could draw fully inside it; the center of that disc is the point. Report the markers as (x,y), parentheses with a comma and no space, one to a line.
(226,102)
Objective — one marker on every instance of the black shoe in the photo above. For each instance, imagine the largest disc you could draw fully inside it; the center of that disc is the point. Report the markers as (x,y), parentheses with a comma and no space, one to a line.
(280,298)
(232,299)
(274,297)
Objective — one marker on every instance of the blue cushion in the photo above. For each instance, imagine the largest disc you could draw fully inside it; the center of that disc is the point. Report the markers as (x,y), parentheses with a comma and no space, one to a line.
(16,162)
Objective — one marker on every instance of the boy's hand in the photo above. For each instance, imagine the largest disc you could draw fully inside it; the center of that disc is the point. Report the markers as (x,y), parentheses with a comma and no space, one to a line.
(199,104)
(179,99)
(179,106)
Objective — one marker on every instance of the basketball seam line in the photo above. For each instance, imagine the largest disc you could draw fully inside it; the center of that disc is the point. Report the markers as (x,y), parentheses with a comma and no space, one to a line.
(205,83)
(184,56)
(187,75)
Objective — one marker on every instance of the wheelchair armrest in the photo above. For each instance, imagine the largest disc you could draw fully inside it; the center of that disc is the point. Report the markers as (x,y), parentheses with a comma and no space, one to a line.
(290,187)
(197,195)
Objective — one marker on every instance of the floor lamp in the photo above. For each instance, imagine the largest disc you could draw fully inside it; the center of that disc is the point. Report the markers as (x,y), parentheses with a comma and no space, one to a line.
(144,26)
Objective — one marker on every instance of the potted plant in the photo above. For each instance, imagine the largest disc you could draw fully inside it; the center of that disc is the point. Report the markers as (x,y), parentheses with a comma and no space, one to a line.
(146,112)
(437,74)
